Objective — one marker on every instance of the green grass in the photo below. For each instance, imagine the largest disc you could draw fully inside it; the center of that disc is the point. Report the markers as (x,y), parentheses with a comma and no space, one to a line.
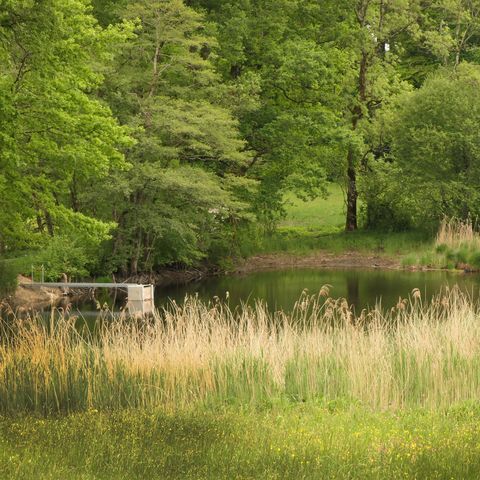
(201,394)
(322,214)
(283,442)
(319,225)
(298,240)
(457,245)
(302,240)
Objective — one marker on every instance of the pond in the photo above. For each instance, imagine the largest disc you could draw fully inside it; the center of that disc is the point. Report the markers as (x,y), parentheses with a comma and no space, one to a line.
(362,288)
(280,289)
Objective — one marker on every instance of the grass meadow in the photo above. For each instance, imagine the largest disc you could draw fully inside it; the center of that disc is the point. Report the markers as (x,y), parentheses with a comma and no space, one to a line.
(292,441)
(319,225)
(200,391)
(322,214)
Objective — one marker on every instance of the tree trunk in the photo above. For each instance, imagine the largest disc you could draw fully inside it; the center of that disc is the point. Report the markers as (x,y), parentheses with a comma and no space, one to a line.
(357,113)
(352,194)
(49,222)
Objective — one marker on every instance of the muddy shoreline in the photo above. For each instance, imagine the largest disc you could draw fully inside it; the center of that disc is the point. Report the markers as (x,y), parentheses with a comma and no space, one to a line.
(319,259)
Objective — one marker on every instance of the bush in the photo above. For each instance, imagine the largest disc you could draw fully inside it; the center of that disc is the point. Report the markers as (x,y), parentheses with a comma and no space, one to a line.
(385,205)
(441,248)
(64,255)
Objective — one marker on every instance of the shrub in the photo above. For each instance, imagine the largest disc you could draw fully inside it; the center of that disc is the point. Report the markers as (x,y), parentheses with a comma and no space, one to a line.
(64,255)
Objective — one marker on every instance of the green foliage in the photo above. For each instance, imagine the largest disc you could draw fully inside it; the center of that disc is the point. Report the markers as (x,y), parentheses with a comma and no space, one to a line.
(292,119)
(435,145)
(64,255)
(474,259)
(155,132)
(386,207)
(182,200)
(54,131)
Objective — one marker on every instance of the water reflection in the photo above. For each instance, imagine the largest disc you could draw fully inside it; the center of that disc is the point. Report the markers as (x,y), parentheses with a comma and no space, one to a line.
(362,288)
(282,288)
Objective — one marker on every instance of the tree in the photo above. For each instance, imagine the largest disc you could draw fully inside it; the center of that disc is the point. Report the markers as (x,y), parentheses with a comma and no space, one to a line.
(436,143)
(322,70)
(53,129)
(376,29)
(453,27)
(179,197)
(291,86)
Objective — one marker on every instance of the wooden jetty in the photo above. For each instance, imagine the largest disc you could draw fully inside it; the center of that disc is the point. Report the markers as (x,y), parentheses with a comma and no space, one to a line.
(140,297)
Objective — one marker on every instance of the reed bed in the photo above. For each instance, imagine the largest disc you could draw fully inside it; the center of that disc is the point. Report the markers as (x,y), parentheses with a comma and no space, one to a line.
(415,355)
(456,233)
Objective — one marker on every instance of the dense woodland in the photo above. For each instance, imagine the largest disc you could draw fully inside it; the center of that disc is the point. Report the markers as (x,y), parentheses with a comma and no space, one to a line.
(136,134)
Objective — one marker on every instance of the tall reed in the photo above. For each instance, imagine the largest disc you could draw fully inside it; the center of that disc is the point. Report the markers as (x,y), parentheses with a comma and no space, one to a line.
(455,233)
(413,355)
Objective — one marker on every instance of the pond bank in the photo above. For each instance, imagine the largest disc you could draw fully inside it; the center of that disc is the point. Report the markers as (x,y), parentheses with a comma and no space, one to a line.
(168,276)
(319,259)
(25,298)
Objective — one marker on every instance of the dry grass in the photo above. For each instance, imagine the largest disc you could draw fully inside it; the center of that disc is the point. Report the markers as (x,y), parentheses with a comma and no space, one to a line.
(455,233)
(414,355)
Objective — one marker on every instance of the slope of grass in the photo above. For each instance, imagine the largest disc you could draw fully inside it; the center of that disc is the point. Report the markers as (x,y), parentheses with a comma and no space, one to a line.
(299,240)
(282,442)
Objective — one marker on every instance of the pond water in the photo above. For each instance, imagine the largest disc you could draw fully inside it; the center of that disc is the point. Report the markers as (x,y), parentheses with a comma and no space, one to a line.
(282,288)
(362,288)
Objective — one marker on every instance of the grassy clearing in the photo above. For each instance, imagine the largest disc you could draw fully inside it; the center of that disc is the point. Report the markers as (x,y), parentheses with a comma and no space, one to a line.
(319,225)
(322,214)
(301,240)
(414,355)
(285,442)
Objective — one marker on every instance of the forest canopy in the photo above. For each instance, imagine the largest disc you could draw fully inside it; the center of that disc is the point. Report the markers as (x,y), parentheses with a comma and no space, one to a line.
(138,134)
